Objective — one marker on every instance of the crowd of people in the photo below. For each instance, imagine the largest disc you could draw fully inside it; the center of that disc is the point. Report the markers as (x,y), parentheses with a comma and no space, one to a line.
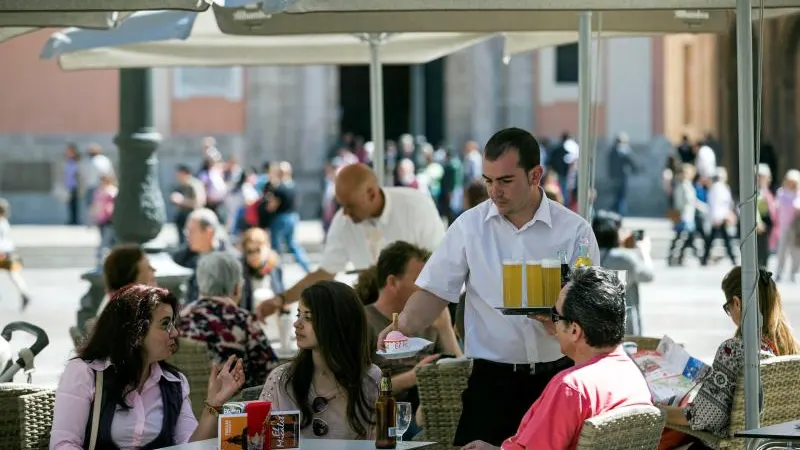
(540,376)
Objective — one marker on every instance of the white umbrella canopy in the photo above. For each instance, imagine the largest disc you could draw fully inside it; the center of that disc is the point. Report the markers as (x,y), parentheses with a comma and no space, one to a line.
(205,45)
(251,19)
(60,6)
(300,6)
(8,33)
(39,19)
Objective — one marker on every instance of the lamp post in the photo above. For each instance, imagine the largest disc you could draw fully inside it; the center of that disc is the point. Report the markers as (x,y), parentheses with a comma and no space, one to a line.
(139,211)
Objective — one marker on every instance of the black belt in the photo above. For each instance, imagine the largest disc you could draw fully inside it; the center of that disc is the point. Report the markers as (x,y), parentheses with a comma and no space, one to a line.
(531,368)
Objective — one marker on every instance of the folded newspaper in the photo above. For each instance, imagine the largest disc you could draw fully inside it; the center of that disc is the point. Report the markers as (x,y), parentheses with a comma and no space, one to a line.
(670,371)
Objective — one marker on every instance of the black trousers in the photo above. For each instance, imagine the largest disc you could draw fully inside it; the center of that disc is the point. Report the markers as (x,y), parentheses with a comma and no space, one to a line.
(498,396)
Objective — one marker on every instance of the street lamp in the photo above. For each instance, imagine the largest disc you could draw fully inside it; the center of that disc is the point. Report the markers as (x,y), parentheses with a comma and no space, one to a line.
(139,211)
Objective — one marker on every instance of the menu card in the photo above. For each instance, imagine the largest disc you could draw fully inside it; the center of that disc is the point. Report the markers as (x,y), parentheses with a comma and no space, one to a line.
(671,372)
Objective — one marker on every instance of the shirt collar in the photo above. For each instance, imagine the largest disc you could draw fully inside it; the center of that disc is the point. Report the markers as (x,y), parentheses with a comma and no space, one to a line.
(542,214)
(383,219)
(155,370)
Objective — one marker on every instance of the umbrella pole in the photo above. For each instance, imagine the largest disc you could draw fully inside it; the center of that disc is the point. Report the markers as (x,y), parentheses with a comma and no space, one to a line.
(376,106)
(751,319)
(586,159)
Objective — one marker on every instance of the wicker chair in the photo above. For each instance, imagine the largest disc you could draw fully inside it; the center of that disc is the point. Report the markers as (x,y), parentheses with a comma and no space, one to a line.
(12,428)
(779,377)
(440,387)
(36,418)
(194,362)
(626,428)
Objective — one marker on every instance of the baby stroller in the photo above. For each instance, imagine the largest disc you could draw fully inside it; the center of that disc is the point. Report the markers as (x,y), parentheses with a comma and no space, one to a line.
(9,367)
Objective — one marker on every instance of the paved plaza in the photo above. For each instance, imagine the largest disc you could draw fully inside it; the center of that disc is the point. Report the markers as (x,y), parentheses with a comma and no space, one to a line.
(685,303)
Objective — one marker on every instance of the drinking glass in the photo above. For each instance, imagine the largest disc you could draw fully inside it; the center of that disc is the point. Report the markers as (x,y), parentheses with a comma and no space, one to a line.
(403,419)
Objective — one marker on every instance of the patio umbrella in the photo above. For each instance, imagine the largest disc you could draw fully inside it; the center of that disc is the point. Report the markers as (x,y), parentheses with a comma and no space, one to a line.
(38,19)
(61,6)
(179,38)
(480,16)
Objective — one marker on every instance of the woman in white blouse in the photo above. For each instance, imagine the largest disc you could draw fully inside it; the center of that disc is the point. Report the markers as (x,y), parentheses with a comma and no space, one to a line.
(143,401)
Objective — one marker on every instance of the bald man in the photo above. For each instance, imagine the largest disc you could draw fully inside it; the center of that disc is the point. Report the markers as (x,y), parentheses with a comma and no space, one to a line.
(370,218)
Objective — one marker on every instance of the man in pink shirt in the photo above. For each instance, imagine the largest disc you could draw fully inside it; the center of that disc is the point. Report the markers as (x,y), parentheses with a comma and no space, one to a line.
(589,323)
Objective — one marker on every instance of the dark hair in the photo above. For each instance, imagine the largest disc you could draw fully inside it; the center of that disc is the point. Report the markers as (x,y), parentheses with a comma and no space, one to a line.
(340,325)
(121,266)
(5,207)
(514,139)
(595,300)
(393,260)
(183,168)
(605,226)
(119,333)
(475,194)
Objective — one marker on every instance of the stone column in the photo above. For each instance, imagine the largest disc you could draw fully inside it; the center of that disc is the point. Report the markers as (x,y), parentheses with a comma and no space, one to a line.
(139,212)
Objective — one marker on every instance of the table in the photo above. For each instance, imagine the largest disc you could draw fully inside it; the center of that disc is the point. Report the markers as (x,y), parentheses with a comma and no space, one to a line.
(311,444)
(772,436)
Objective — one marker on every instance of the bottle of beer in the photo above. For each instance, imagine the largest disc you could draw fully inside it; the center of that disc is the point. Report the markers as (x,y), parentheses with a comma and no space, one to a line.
(386,415)
(566,272)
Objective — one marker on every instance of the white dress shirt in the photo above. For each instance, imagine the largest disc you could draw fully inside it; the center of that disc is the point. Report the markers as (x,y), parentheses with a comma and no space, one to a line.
(473,250)
(408,215)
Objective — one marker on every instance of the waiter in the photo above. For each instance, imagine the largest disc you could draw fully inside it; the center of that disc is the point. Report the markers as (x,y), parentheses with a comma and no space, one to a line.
(370,218)
(514,357)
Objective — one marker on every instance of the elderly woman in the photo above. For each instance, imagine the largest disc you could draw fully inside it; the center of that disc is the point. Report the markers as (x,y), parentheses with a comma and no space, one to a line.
(217,319)
(204,234)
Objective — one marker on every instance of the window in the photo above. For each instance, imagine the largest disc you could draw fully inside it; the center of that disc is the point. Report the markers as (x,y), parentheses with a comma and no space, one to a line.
(688,94)
(224,82)
(567,63)
(27,177)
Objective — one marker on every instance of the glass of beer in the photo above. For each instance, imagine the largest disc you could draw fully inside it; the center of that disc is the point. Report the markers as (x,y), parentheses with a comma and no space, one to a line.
(512,284)
(535,284)
(551,275)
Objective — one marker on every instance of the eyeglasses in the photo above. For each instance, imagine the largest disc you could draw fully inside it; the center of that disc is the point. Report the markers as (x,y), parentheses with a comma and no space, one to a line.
(169,327)
(727,308)
(555,316)
(252,251)
(319,426)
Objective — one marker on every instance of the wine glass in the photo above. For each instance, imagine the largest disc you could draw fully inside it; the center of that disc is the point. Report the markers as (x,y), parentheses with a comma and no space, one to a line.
(403,419)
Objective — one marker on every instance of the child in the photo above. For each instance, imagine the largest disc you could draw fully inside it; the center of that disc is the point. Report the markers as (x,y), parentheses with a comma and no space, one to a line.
(9,260)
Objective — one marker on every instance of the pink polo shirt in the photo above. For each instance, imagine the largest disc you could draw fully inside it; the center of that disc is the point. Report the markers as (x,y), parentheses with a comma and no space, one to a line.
(555,420)
(130,429)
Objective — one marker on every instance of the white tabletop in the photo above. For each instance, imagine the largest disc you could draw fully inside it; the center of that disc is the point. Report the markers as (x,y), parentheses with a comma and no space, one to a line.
(311,444)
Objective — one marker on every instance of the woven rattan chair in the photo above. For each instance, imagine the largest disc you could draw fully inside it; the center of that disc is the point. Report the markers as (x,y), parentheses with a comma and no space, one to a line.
(194,362)
(779,377)
(36,418)
(626,428)
(251,393)
(440,387)
(11,427)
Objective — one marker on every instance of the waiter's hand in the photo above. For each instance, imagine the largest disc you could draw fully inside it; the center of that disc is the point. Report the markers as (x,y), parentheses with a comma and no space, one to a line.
(268,307)
(479,445)
(382,336)
(546,321)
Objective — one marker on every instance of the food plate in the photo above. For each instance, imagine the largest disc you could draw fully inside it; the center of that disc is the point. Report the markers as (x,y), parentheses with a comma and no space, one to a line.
(415,345)
(525,311)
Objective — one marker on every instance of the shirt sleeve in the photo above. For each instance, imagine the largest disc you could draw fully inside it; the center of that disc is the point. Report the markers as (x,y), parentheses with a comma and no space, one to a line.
(335,256)
(187,423)
(73,402)
(272,390)
(446,270)
(711,408)
(557,420)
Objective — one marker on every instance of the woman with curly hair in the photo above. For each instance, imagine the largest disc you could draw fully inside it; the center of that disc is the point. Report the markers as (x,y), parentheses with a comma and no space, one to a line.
(119,392)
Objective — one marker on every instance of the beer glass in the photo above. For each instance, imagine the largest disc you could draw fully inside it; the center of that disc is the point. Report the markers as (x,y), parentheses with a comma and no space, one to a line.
(535,284)
(512,284)
(551,274)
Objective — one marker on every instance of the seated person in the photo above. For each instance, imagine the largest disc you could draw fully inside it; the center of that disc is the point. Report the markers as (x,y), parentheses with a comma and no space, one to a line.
(144,401)
(589,323)
(217,319)
(125,264)
(620,250)
(710,410)
(399,265)
(330,381)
